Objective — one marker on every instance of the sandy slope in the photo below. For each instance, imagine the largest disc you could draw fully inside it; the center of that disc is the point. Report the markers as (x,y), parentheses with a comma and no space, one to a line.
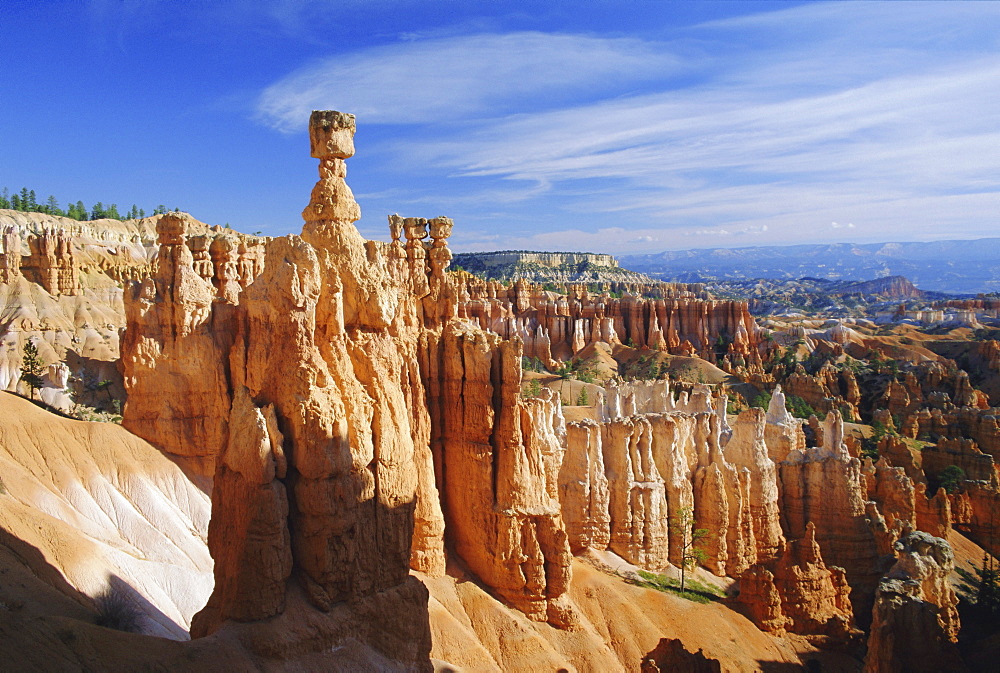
(105,508)
(618,624)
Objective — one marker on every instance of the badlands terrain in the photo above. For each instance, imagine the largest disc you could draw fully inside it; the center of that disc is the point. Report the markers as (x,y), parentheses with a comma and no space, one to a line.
(320,452)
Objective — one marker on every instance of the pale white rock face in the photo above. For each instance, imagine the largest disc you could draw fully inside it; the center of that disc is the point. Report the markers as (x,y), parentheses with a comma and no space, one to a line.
(747,450)
(54,390)
(637,496)
(546,258)
(721,405)
(624,480)
(777,413)
(782,431)
(833,436)
(653,397)
(115,511)
(583,487)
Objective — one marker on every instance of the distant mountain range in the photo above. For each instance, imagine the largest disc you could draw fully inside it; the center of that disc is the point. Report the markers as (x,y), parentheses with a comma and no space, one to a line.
(954,267)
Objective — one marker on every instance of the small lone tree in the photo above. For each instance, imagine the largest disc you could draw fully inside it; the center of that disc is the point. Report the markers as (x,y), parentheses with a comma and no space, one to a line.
(582,400)
(31,368)
(691,554)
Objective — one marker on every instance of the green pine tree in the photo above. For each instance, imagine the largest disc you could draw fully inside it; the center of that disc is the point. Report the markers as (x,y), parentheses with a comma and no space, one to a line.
(31,367)
(980,587)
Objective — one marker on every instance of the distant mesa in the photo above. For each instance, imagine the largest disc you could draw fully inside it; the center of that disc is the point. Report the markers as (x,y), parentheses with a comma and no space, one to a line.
(547,266)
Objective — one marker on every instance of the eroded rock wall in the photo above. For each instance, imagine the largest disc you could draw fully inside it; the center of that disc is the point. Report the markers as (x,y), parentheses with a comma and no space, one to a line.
(626,482)
(824,485)
(915,619)
(556,326)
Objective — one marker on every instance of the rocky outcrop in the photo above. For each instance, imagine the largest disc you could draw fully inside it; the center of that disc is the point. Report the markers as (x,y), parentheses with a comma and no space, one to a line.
(797,592)
(10,254)
(505,257)
(964,454)
(319,477)
(52,263)
(66,255)
(975,511)
(933,512)
(251,544)
(980,425)
(889,287)
(652,397)
(782,431)
(500,457)
(175,355)
(548,267)
(626,481)
(339,404)
(583,487)
(747,451)
(824,486)
(830,389)
(915,620)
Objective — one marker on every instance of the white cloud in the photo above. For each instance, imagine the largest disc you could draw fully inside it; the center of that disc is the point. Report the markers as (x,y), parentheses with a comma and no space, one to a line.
(452,78)
(880,116)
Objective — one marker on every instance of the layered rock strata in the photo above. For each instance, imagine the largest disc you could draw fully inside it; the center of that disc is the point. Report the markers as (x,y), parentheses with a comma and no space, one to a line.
(500,457)
(10,254)
(556,327)
(824,485)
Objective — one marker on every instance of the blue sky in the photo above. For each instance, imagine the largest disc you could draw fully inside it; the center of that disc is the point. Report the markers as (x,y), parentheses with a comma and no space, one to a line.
(607,126)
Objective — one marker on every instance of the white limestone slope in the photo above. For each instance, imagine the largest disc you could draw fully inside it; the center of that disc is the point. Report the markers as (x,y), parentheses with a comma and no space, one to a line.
(105,508)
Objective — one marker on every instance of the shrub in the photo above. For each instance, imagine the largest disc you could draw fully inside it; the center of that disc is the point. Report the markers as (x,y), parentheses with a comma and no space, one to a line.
(116,610)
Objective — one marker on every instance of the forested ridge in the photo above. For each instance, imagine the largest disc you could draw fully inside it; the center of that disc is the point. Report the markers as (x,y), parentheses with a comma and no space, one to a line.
(26,201)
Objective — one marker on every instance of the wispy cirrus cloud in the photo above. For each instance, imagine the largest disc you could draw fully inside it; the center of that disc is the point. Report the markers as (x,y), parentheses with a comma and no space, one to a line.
(461,77)
(767,127)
